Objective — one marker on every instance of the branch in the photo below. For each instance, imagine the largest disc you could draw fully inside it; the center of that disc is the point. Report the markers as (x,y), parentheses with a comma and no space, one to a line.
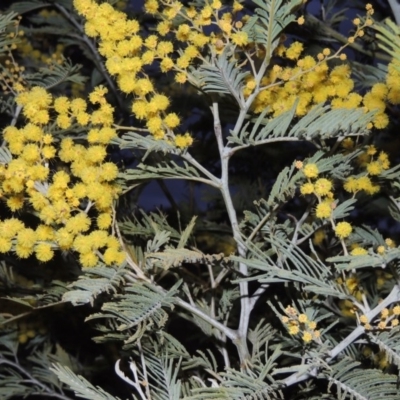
(392,297)
(395,6)
(240,340)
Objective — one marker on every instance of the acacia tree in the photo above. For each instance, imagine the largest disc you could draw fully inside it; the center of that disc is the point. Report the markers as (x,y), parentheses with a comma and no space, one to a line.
(286,287)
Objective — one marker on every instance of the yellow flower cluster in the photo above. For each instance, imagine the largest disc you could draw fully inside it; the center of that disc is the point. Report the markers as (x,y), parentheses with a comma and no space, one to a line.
(374,165)
(299,323)
(127,54)
(311,82)
(389,318)
(29,329)
(320,187)
(61,199)
(11,76)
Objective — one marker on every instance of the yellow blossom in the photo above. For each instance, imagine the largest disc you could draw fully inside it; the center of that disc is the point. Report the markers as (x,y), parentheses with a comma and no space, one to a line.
(44,252)
(302,318)
(182,141)
(359,251)
(294,330)
(343,230)
(324,209)
(307,188)
(322,187)
(311,170)
(307,337)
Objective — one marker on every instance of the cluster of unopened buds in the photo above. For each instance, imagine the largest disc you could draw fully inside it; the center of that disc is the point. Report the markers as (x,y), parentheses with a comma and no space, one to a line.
(300,324)
(389,318)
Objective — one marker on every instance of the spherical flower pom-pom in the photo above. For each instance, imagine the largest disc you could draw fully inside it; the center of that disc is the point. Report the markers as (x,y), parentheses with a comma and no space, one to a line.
(307,337)
(44,252)
(343,230)
(323,210)
(311,170)
(359,251)
(307,188)
(322,186)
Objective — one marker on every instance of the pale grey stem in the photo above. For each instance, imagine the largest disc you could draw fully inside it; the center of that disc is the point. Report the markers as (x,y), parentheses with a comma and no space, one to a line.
(219,335)
(240,340)
(213,180)
(136,384)
(142,360)
(230,333)
(395,6)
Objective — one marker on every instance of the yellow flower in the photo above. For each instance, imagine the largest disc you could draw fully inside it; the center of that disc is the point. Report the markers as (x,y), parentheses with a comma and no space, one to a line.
(322,187)
(44,232)
(236,6)
(78,223)
(32,132)
(44,252)
(97,239)
(104,221)
(88,259)
(63,121)
(96,153)
(172,120)
(343,230)
(164,48)
(182,141)
(324,209)
(183,32)
(307,188)
(166,64)
(363,319)
(154,124)
(31,153)
(294,330)
(140,109)
(359,251)
(307,337)
(108,171)
(240,38)
(381,120)
(385,313)
(64,238)
(311,170)
(62,105)
(22,251)
(380,249)
(15,203)
(97,95)
(294,51)
(312,324)
(303,318)
(26,237)
(112,255)
(5,245)
(151,6)
(49,152)
(396,310)
(160,102)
